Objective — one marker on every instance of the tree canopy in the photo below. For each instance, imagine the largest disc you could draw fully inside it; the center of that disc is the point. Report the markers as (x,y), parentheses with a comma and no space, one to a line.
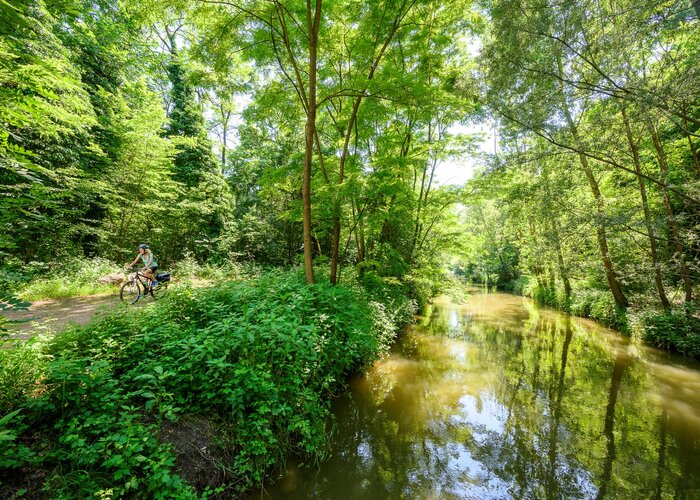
(314,133)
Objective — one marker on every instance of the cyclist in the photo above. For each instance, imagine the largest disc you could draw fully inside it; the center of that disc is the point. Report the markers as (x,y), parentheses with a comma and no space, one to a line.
(149,261)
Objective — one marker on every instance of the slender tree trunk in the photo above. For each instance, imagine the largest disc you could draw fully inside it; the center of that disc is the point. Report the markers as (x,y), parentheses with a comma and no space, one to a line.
(693,149)
(555,413)
(313,24)
(647,215)
(661,463)
(422,198)
(361,242)
(225,117)
(601,224)
(563,273)
(359,238)
(556,231)
(348,131)
(675,230)
(223,154)
(341,178)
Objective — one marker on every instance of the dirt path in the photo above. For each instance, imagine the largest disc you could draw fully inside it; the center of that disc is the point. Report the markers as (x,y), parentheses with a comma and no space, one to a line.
(53,315)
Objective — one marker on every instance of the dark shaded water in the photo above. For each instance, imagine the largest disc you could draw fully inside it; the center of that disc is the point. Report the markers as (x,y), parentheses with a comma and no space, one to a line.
(497,399)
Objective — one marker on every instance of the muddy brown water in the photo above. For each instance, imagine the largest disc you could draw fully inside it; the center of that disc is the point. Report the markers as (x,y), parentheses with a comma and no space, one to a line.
(496,398)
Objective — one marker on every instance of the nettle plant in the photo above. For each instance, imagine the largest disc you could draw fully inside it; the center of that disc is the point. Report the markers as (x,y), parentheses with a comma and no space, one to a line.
(258,360)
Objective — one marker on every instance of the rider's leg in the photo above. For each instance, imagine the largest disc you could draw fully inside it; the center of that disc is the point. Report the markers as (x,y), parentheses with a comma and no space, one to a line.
(151,277)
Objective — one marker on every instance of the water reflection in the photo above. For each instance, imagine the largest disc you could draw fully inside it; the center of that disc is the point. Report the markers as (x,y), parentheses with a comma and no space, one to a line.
(496,399)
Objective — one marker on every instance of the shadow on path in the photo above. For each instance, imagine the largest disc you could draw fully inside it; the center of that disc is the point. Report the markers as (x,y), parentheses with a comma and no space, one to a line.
(53,315)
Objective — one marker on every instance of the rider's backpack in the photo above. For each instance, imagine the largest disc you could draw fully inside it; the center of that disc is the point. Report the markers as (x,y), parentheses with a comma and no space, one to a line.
(163,277)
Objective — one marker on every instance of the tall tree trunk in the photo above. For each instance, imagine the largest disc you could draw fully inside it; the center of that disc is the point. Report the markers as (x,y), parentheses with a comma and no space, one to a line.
(693,149)
(223,154)
(556,231)
(661,463)
(633,145)
(348,131)
(313,24)
(563,272)
(341,178)
(601,224)
(675,230)
(225,118)
(359,238)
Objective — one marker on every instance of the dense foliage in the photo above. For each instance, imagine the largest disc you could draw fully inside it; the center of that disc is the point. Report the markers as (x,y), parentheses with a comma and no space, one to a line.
(112,122)
(249,365)
(279,133)
(590,203)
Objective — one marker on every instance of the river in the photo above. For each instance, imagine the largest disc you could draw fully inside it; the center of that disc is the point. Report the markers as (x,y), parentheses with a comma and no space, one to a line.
(496,398)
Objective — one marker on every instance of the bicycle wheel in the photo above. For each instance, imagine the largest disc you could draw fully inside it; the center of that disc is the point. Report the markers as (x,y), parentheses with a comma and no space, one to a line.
(131,291)
(159,290)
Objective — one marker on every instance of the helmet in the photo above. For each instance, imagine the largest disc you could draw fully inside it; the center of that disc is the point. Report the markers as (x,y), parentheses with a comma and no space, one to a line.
(144,246)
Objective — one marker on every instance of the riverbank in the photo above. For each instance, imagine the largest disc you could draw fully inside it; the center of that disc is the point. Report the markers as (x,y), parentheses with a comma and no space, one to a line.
(676,329)
(207,391)
(493,397)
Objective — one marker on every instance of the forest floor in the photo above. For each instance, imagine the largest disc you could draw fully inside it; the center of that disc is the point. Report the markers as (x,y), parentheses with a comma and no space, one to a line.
(53,315)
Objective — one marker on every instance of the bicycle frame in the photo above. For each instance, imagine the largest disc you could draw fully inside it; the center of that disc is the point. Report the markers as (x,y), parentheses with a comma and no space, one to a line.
(143,279)
(139,285)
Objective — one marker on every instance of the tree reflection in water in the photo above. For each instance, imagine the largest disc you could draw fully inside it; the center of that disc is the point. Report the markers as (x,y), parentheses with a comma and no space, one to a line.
(497,399)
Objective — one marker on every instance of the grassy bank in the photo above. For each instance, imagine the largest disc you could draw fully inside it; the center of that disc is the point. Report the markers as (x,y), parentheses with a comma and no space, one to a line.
(676,330)
(58,280)
(206,391)
(82,277)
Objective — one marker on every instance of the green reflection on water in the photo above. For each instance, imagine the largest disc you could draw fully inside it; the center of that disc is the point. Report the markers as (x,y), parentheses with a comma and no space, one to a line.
(496,399)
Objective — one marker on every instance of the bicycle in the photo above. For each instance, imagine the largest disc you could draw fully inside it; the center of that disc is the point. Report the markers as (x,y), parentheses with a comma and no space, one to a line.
(139,285)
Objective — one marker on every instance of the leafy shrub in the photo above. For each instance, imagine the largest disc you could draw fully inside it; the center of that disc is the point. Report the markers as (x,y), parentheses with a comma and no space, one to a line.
(600,306)
(189,268)
(674,330)
(13,275)
(520,286)
(422,288)
(263,356)
(544,295)
(21,368)
(71,278)
(581,302)
(392,294)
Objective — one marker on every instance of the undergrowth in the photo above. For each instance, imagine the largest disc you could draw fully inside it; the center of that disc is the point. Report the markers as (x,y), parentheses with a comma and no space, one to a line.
(258,359)
(676,329)
(72,278)
(673,330)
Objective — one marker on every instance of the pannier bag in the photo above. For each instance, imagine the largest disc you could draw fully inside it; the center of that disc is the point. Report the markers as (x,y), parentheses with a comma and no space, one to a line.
(163,277)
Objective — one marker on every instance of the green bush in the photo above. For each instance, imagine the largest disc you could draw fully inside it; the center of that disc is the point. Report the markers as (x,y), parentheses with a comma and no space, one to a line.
(22,366)
(673,330)
(422,287)
(520,285)
(392,294)
(72,278)
(600,306)
(262,356)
